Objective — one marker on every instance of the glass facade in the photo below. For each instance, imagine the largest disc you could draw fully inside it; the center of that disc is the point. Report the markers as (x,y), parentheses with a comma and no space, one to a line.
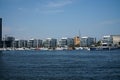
(70,42)
(50,43)
(87,41)
(63,42)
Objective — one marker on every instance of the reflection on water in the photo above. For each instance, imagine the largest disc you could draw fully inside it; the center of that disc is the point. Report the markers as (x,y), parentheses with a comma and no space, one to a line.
(3,74)
(0,53)
(59,65)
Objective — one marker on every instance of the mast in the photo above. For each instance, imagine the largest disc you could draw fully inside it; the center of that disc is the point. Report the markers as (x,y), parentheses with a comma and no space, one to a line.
(37,43)
(80,37)
(13,45)
(4,44)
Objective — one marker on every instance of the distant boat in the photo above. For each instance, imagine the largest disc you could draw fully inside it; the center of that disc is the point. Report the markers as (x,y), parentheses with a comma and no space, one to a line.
(44,49)
(20,49)
(2,49)
(78,48)
(59,48)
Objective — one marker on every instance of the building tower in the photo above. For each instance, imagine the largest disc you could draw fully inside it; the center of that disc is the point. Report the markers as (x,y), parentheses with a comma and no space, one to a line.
(0,32)
(77,41)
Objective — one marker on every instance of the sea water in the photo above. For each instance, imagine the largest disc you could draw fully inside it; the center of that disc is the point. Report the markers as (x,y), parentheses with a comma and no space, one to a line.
(60,65)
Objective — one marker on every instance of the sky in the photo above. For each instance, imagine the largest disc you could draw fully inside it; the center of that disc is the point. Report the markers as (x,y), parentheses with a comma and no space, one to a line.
(25,19)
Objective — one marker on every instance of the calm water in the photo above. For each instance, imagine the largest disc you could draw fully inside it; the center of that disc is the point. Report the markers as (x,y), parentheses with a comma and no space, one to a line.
(60,65)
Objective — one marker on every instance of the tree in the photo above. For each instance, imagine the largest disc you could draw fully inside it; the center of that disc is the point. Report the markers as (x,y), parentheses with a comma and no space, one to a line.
(98,43)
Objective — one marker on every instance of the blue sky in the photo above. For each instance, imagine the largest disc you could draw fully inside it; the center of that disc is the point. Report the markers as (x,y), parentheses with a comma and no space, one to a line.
(25,19)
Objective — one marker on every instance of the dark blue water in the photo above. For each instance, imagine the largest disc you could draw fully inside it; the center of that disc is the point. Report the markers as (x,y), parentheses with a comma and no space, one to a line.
(60,65)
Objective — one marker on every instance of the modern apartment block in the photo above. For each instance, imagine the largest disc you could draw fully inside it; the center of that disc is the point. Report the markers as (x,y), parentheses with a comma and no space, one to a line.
(111,40)
(116,40)
(20,43)
(70,42)
(87,41)
(63,42)
(50,43)
(107,41)
(8,41)
(32,43)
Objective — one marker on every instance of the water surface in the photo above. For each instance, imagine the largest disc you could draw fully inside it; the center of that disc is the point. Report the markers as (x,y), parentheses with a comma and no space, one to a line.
(60,65)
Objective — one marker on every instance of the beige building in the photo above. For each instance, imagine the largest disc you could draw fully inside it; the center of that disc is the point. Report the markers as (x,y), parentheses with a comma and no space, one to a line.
(77,41)
(116,39)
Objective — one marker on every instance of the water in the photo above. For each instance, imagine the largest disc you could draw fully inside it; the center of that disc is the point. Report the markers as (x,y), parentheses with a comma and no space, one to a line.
(60,65)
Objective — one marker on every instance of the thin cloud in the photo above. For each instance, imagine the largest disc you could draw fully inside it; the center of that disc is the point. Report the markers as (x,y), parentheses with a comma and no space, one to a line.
(58,4)
(55,6)
(110,22)
(52,11)
(48,7)
(20,8)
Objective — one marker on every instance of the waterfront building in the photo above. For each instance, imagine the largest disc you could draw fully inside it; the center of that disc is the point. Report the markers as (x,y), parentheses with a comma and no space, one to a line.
(8,41)
(9,38)
(116,40)
(107,40)
(77,41)
(87,41)
(20,43)
(16,43)
(70,42)
(111,40)
(63,42)
(47,43)
(53,43)
(40,43)
(0,32)
(50,43)
(32,43)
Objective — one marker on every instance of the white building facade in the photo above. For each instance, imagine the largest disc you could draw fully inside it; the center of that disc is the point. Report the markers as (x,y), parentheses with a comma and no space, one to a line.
(87,41)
